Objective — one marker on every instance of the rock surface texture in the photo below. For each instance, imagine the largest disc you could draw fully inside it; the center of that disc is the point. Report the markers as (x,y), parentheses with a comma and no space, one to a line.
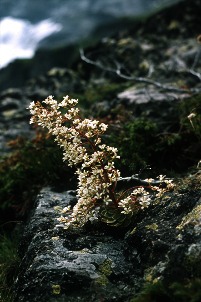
(58,266)
(108,264)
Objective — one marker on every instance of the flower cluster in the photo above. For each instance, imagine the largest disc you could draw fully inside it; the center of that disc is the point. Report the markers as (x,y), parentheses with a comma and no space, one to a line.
(142,196)
(83,147)
(138,196)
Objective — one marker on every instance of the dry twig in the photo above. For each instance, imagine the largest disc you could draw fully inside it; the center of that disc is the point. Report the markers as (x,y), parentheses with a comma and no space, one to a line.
(118,71)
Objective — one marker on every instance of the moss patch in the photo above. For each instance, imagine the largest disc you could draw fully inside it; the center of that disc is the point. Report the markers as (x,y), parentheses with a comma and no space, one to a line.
(183,292)
(191,218)
(9,262)
(105,271)
(32,164)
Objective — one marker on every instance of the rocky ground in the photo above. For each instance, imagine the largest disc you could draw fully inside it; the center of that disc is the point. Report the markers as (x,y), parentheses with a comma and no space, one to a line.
(144,82)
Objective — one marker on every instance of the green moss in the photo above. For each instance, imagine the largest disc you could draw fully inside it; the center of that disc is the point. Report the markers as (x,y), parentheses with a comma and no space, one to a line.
(176,292)
(187,292)
(149,275)
(175,147)
(153,227)
(187,107)
(136,143)
(98,92)
(102,280)
(152,293)
(105,267)
(192,218)
(9,262)
(56,289)
(105,271)
(32,164)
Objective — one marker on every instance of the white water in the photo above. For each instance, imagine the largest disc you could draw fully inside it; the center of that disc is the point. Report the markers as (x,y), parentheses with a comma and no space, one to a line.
(24,24)
(19,38)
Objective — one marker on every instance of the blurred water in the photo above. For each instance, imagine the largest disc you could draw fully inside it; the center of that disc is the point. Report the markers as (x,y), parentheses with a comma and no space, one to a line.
(19,38)
(25,24)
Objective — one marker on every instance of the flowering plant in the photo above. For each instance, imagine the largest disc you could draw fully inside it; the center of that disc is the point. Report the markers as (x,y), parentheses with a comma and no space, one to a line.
(97,176)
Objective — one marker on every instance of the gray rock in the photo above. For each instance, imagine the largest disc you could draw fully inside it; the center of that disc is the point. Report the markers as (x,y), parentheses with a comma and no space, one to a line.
(143,96)
(14,117)
(61,266)
(101,263)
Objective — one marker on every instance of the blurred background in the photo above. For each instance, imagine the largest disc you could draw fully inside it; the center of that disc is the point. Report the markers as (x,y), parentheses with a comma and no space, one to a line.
(26,26)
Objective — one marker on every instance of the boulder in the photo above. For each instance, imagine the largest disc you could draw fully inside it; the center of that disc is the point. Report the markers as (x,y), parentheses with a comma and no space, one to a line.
(102,263)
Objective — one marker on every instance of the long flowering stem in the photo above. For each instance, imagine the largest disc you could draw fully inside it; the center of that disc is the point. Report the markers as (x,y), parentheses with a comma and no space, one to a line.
(81,142)
(105,172)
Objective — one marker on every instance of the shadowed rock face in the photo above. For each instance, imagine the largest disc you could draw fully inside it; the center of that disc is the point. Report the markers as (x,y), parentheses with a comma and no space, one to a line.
(62,266)
(107,264)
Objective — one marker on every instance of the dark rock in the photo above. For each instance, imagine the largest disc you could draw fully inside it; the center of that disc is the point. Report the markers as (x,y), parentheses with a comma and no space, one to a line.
(164,243)
(44,59)
(60,266)
(14,117)
(167,238)
(11,92)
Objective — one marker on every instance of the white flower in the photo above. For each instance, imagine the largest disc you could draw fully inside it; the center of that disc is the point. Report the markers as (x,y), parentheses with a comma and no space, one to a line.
(103,127)
(191,116)
(96,172)
(144,201)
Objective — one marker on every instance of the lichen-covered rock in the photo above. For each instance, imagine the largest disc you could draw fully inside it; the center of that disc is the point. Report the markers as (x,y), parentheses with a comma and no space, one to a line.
(100,263)
(60,266)
(168,239)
